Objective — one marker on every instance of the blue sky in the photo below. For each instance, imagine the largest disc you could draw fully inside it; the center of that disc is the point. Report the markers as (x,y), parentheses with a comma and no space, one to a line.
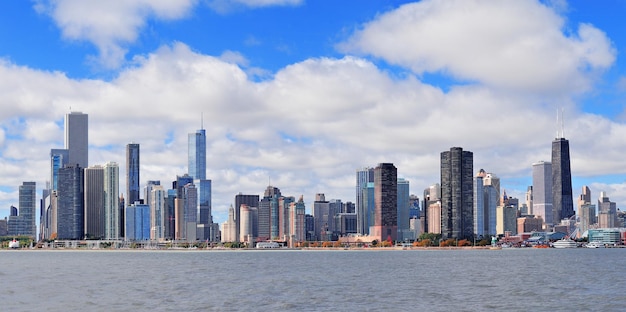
(307,92)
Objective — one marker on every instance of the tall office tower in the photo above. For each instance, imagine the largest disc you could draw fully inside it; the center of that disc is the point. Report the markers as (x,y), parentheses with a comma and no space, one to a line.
(132,173)
(297,227)
(240,199)
(607,212)
(70,209)
(529,200)
(386,201)
(321,209)
(479,205)
(363,177)
(157,203)
(349,207)
(506,216)
(432,195)
(265,209)
(586,210)
(245,223)
(491,204)
(112,215)
(94,202)
(43,208)
(23,223)
(457,195)
(170,214)
(121,211)
(59,158)
(77,138)
(228,227)
(542,191)
(204,202)
(403,209)
(197,154)
(283,215)
(562,195)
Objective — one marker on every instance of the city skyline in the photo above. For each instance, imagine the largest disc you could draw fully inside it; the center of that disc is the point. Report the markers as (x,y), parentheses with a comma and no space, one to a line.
(307,107)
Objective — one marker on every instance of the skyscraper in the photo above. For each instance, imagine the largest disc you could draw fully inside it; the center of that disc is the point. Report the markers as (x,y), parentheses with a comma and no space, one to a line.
(586,210)
(112,214)
(363,177)
(77,138)
(156,201)
(197,155)
(403,208)
(27,208)
(321,209)
(457,195)
(562,196)
(94,202)
(542,191)
(70,209)
(132,173)
(386,201)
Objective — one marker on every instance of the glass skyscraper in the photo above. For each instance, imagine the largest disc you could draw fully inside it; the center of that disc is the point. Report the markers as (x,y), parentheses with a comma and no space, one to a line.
(457,195)
(70,209)
(386,202)
(132,173)
(27,207)
(363,177)
(562,195)
(197,155)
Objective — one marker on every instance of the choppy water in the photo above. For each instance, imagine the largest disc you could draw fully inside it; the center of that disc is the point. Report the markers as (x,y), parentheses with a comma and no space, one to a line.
(410,280)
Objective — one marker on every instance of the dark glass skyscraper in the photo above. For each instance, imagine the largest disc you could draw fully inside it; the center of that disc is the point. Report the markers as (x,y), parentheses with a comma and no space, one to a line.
(70,209)
(562,195)
(386,202)
(132,173)
(457,194)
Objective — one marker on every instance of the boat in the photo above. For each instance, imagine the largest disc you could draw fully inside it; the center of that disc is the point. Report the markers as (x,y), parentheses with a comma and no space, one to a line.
(595,245)
(14,244)
(267,245)
(564,243)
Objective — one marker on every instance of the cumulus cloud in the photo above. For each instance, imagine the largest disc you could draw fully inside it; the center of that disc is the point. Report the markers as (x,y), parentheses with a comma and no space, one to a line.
(308,129)
(110,25)
(516,45)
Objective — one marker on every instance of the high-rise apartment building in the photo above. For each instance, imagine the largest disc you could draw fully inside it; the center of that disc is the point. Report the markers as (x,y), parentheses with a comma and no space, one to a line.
(321,211)
(607,212)
(94,202)
(157,203)
(386,201)
(297,227)
(542,191)
(132,173)
(112,215)
(58,159)
(586,211)
(562,196)
(77,138)
(242,199)
(432,195)
(457,194)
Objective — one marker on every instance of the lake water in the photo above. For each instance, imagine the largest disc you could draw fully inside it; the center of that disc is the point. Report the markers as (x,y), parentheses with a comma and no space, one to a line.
(408,280)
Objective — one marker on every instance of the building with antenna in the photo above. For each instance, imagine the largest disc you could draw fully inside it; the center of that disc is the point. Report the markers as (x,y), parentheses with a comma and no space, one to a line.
(562,195)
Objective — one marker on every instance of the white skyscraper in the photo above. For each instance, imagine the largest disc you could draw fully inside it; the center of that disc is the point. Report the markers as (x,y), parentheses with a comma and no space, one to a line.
(542,191)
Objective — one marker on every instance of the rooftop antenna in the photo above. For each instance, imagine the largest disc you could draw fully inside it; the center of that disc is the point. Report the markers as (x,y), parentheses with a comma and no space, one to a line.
(560,132)
(201,120)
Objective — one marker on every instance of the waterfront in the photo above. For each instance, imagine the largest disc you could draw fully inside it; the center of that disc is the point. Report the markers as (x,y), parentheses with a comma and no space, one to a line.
(355,280)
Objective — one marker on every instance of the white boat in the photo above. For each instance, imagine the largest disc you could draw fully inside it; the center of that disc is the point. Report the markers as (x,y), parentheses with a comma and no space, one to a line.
(14,244)
(267,245)
(595,245)
(565,243)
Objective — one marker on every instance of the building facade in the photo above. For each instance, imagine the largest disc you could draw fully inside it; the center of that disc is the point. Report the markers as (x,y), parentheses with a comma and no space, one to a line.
(94,202)
(112,214)
(77,138)
(457,195)
(542,191)
(133,190)
(562,195)
(385,226)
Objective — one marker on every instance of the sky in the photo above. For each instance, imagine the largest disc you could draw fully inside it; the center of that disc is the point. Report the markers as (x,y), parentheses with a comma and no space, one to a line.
(301,94)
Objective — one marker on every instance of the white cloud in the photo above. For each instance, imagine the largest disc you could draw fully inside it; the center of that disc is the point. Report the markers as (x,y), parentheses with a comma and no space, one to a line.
(515,45)
(110,25)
